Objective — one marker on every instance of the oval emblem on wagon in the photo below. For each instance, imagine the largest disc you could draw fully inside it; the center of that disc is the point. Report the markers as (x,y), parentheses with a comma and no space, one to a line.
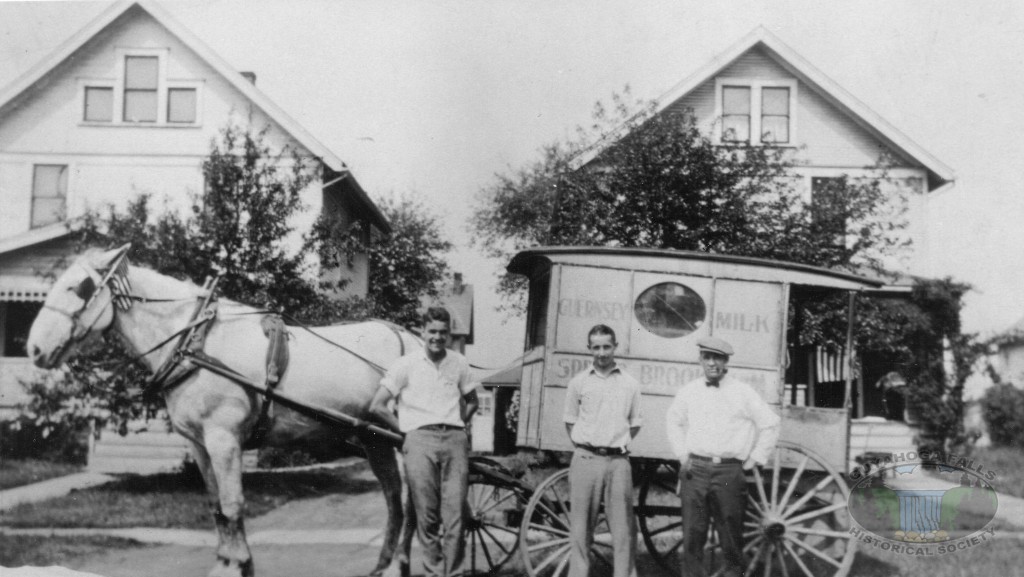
(670,310)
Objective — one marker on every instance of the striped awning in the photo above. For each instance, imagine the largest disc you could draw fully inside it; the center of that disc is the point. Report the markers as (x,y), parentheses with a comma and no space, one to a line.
(23,288)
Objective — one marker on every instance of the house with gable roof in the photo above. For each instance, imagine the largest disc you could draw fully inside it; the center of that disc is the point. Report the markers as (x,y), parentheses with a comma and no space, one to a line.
(129,104)
(760,92)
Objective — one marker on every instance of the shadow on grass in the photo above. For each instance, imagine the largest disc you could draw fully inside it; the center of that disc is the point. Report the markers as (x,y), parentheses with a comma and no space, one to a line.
(18,550)
(179,500)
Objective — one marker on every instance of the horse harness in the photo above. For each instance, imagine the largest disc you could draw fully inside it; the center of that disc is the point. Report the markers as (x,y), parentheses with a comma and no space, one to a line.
(188,355)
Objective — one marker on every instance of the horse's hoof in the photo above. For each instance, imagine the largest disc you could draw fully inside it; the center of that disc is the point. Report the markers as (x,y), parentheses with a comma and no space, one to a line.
(230,568)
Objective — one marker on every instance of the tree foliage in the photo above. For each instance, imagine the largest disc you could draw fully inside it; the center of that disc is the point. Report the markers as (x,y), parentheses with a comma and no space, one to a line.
(404,266)
(659,182)
(655,180)
(240,226)
(1003,410)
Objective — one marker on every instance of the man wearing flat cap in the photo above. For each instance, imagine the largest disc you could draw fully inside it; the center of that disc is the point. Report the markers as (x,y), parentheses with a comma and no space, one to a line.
(718,427)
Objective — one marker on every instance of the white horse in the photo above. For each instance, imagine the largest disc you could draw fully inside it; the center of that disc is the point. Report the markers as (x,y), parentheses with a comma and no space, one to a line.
(214,413)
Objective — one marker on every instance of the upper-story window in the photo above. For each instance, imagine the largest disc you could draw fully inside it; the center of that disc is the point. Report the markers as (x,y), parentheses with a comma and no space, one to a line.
(142,93)
(49,194)
(141,88)
(756,111)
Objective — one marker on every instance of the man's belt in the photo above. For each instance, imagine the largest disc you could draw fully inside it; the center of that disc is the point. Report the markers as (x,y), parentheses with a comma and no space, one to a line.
(440,427)
(716,460)
(605,451)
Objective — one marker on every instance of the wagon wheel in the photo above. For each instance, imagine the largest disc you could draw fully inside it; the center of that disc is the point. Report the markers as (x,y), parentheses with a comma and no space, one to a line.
(493,513)
(796,518)
(544,536)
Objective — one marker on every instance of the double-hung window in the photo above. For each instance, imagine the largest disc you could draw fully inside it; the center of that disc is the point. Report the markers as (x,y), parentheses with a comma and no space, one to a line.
(49,194)
(141,88)
(756,112)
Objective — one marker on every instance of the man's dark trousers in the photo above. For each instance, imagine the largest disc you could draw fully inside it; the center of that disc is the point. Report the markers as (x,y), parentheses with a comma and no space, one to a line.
(437,470)
(717,490)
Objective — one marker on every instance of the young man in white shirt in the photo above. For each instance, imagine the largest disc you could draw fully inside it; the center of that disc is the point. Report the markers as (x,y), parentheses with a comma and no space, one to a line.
(602,415)
(436,401)
(718,427)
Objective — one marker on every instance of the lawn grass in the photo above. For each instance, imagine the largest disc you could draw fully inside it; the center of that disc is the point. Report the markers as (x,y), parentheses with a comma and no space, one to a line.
(19,472)
(1008,464)
(178,500)
(18,550)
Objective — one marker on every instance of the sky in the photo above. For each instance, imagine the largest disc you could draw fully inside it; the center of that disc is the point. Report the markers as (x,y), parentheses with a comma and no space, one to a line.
(432,98)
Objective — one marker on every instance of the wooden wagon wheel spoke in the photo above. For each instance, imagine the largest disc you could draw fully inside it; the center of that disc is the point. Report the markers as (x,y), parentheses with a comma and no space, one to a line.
(487,505)
(796,558)
(547,545)
(553,516)
(814,551)
(552,530)
(753,560)
(768,559)
(776,471)
(668,527)
(759,481)
(818,532)
(793,482)
(825,482)
(552,558)
(782,562)
(815,513)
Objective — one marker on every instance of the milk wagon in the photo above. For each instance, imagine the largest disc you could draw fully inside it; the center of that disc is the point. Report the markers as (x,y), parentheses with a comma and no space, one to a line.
(660,302)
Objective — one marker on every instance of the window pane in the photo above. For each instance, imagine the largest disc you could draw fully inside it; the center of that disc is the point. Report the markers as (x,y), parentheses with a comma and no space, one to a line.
(670,310)
(181,105)
(140,72)
(775,101)
(49,188)
(99,104)
(140,106)
(735,100)
(736,128)
(50,181)
(775,129)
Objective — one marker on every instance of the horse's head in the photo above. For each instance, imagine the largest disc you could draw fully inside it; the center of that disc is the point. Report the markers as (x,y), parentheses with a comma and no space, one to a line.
(79,305)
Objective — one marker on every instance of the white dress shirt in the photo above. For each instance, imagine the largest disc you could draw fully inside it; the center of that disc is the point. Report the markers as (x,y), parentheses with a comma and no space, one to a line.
(727,421)
(429,394)
(602,408)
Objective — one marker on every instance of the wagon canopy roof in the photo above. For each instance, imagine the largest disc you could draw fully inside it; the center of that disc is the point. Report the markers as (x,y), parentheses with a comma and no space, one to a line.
(691,263)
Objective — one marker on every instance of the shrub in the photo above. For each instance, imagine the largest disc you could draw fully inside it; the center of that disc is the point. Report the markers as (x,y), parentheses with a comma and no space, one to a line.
(55,424)
(1003,409)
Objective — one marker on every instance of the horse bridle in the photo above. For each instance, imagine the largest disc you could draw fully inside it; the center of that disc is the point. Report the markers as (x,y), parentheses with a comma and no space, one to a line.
(88,294)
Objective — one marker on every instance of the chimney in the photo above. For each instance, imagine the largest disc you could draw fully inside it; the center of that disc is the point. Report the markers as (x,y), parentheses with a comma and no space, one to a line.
(457,283)
(250,76)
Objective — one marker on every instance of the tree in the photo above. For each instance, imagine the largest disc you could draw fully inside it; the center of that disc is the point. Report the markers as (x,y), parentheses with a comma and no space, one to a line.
(405,265)
(659,182)
(239,227)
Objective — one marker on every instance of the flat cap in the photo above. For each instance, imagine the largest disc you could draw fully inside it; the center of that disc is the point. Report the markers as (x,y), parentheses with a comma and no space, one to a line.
(715,345)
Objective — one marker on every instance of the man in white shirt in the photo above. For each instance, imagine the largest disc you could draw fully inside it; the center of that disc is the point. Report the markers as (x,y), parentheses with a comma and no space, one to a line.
(602,415)
(436,401)
(718,427)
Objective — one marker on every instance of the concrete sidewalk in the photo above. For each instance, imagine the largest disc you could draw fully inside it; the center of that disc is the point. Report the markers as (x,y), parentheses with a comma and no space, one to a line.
(50,489)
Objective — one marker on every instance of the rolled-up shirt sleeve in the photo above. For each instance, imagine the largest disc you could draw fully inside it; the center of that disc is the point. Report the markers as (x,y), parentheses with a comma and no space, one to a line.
(636,410)
(768,426)
(676,422)
(466,383)
(572,402)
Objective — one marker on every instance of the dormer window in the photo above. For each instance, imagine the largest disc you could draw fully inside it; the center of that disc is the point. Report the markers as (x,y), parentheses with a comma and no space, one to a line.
(757,112)
(143,94)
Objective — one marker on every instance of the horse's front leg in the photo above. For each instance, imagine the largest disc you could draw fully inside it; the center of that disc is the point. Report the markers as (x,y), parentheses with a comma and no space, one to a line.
(224,452)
